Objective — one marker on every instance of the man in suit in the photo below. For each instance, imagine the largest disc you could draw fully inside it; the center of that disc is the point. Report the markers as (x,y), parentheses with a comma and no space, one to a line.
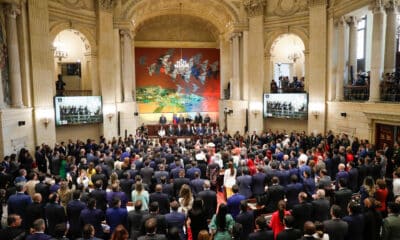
(259,181)
(126,184)
(38,233)
(355,221)
(161,198)
(391,224)
(209,199)
(198,118)
(262,232)
(54,213)
(35,210)
(179,182)
(308,184)
(162,120)
(245,182)
(43,188)
(246,218)
(18,203)
(161,172)
(147,173)
(192,170)
(135,220)
(335,227)
(353,176)
(176,219)
(179,130)
(167,188)
(233,202)
(13,229)
(321,206)
(171,130)
(197,184)
(302,212)
(116,192)
(289,233)
(99,195)
(151,227)
(154,214)
(292,191)
(342,174)
(92,216)
(74,209)
(342,196)
(115,215)
(275,193)
(99,175)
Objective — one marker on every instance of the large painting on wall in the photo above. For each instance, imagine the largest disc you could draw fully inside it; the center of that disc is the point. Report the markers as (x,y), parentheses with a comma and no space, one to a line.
(161,87)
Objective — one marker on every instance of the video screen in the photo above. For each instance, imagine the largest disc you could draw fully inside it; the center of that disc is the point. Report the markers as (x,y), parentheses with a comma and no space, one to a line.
(286,105)
(78,110)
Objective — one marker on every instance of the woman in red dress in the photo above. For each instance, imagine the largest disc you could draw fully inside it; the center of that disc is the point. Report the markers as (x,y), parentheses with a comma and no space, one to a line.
(276,223)
(381,195)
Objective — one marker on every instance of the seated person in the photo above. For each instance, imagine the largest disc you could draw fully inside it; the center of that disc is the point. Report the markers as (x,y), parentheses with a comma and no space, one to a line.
(171,130)
(161,132)
(163,119)
(207,119)
(198,118)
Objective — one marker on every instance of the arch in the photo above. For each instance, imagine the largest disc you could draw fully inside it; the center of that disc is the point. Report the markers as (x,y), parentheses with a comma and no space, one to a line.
(58,27)
(218,12)
(299,32)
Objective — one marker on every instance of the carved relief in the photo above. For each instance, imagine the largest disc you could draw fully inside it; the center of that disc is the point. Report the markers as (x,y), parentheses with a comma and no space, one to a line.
(254,7)
(317,2)
(12,10)
(106,5)
(77,4)
(285,8)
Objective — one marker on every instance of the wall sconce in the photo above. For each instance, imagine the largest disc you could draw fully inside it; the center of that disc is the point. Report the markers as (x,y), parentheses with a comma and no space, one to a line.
(343,114)
(110,116)
(315,113)
(46,121)
(255,112)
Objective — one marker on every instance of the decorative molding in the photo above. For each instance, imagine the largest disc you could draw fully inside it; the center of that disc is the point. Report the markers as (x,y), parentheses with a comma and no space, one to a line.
(282,12)
(391,5)
(314,3)
(254,7)
(128,32)
(12,10)
(106,5)
(74,4)
(382,116)
(377,6)
(352,21)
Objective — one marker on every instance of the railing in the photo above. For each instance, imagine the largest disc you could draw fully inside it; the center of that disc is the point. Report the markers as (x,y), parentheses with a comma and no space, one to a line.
(356,93)
(390,91)
(77,92)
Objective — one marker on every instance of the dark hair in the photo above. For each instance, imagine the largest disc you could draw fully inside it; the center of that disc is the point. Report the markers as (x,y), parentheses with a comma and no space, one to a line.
(59,230)
(221,217)
(336,210)
(243,205)
(87,231)
(235,188)
(151,225)
(309,228)
(173,233)
(281,209)
(76,194)
(153,206)
(91,203)
(119,233)
(261,222)
(288,221)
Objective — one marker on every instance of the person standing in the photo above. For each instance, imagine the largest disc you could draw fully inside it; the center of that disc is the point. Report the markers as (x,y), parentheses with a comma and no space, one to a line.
(391,224)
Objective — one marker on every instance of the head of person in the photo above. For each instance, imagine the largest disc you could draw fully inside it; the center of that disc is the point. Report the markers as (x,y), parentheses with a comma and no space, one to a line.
(221,217)
(261,223)
(88,231)
(309,228)
(335,211)
(14,220)
(151,225)
(203,235)
(60,230)
(120,233)
(235,188)
(39,225)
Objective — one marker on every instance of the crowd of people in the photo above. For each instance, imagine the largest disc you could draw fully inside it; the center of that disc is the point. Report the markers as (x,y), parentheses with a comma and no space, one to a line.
(304,186)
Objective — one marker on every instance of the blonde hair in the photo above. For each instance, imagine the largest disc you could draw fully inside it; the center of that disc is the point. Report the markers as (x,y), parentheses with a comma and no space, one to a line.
(186,194)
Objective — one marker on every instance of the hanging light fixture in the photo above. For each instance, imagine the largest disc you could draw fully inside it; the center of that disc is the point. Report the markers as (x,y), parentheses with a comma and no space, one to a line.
(60,50)
(181,65)
(295,52)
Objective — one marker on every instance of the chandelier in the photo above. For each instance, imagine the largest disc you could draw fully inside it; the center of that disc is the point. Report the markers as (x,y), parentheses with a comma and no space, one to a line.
(60,50)
(294,56)
(181,65)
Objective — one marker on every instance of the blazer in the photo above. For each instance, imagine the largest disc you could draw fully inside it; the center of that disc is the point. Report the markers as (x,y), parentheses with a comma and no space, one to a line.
(336,229)
(134,223)
(356,226)
(74,209)
(247,221)
(302,212)
(93,217)
(209,201)
(245,182)
(161,223)
(197,185)
(233,204)
(55,214)
(18,203)
(292,192)
(289,234)
(275,194)
(38,236)
(176,219)
(262,235)
(342,197)
(321,208)
(259,181)
(391,227)
(163,201)
(116,216)
(101,198)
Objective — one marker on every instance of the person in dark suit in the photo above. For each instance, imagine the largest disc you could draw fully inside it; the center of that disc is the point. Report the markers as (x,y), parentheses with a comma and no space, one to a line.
(88,233)
(13,229)
(292,191)
(246,218)
(302,212)
(342,174)
(154,214)
(74,208)
(197,184)
(198,217)
(116,192)
(18,203)
(179,182)
(126,184)
(99,175)
(342,196)
(54,213)
(147,173)
(192,170)
(99,195)
(275,193)
(151,227)
(209,199)
(167,188)
(161,198)
(372,220)
(171,130)
(309,231)
(355,221)
(43,188)
(336,228)
(308,184)
(259,181)
(91,215)
(233,202)
(161,172)
(135,220)
(262,232)
(35,210)
(245,182)
(289,233)
(353,176)
(38,233)
(198,118)
(391,224)
(176,219)
(162,120)
(321,206)
(115,215)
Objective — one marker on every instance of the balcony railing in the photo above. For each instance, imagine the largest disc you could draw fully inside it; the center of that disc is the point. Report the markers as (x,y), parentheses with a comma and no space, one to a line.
(390,91)
(77,93)
(356,93)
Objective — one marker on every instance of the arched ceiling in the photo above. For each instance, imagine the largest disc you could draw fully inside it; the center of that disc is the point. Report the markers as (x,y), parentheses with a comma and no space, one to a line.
(176,28)
(221,13)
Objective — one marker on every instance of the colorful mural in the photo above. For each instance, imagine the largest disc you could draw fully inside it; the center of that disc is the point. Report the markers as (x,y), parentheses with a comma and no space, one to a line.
(160,87)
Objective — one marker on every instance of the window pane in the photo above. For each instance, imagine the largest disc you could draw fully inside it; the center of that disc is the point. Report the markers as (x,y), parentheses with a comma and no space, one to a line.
(360,44)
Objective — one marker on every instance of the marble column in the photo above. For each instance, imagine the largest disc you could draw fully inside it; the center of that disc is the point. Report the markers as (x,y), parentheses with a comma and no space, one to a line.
(127,64)
(332,59)
(235,86)
(353,49)
(92,64)
(391,30)
(378,44)
(225,66)
(341,62)
(245,66)
(13,55)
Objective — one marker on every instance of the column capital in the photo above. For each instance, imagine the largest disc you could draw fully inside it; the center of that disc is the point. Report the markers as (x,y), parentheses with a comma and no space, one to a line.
(313,3)
(128,32)
(106,5)
(235,35)
(342,21)
(377,6)
(391,6)
(352,21)
(12,10)
(254,8)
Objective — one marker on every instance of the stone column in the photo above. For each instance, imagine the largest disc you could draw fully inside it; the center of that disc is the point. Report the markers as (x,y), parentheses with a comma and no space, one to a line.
(225,65)
(235,83)
(332,59)
(133,67)
(341,62)
(353,49)
(93,69)
(378,44)
(245,66)
(13,55)
(127,64)
(391,30)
